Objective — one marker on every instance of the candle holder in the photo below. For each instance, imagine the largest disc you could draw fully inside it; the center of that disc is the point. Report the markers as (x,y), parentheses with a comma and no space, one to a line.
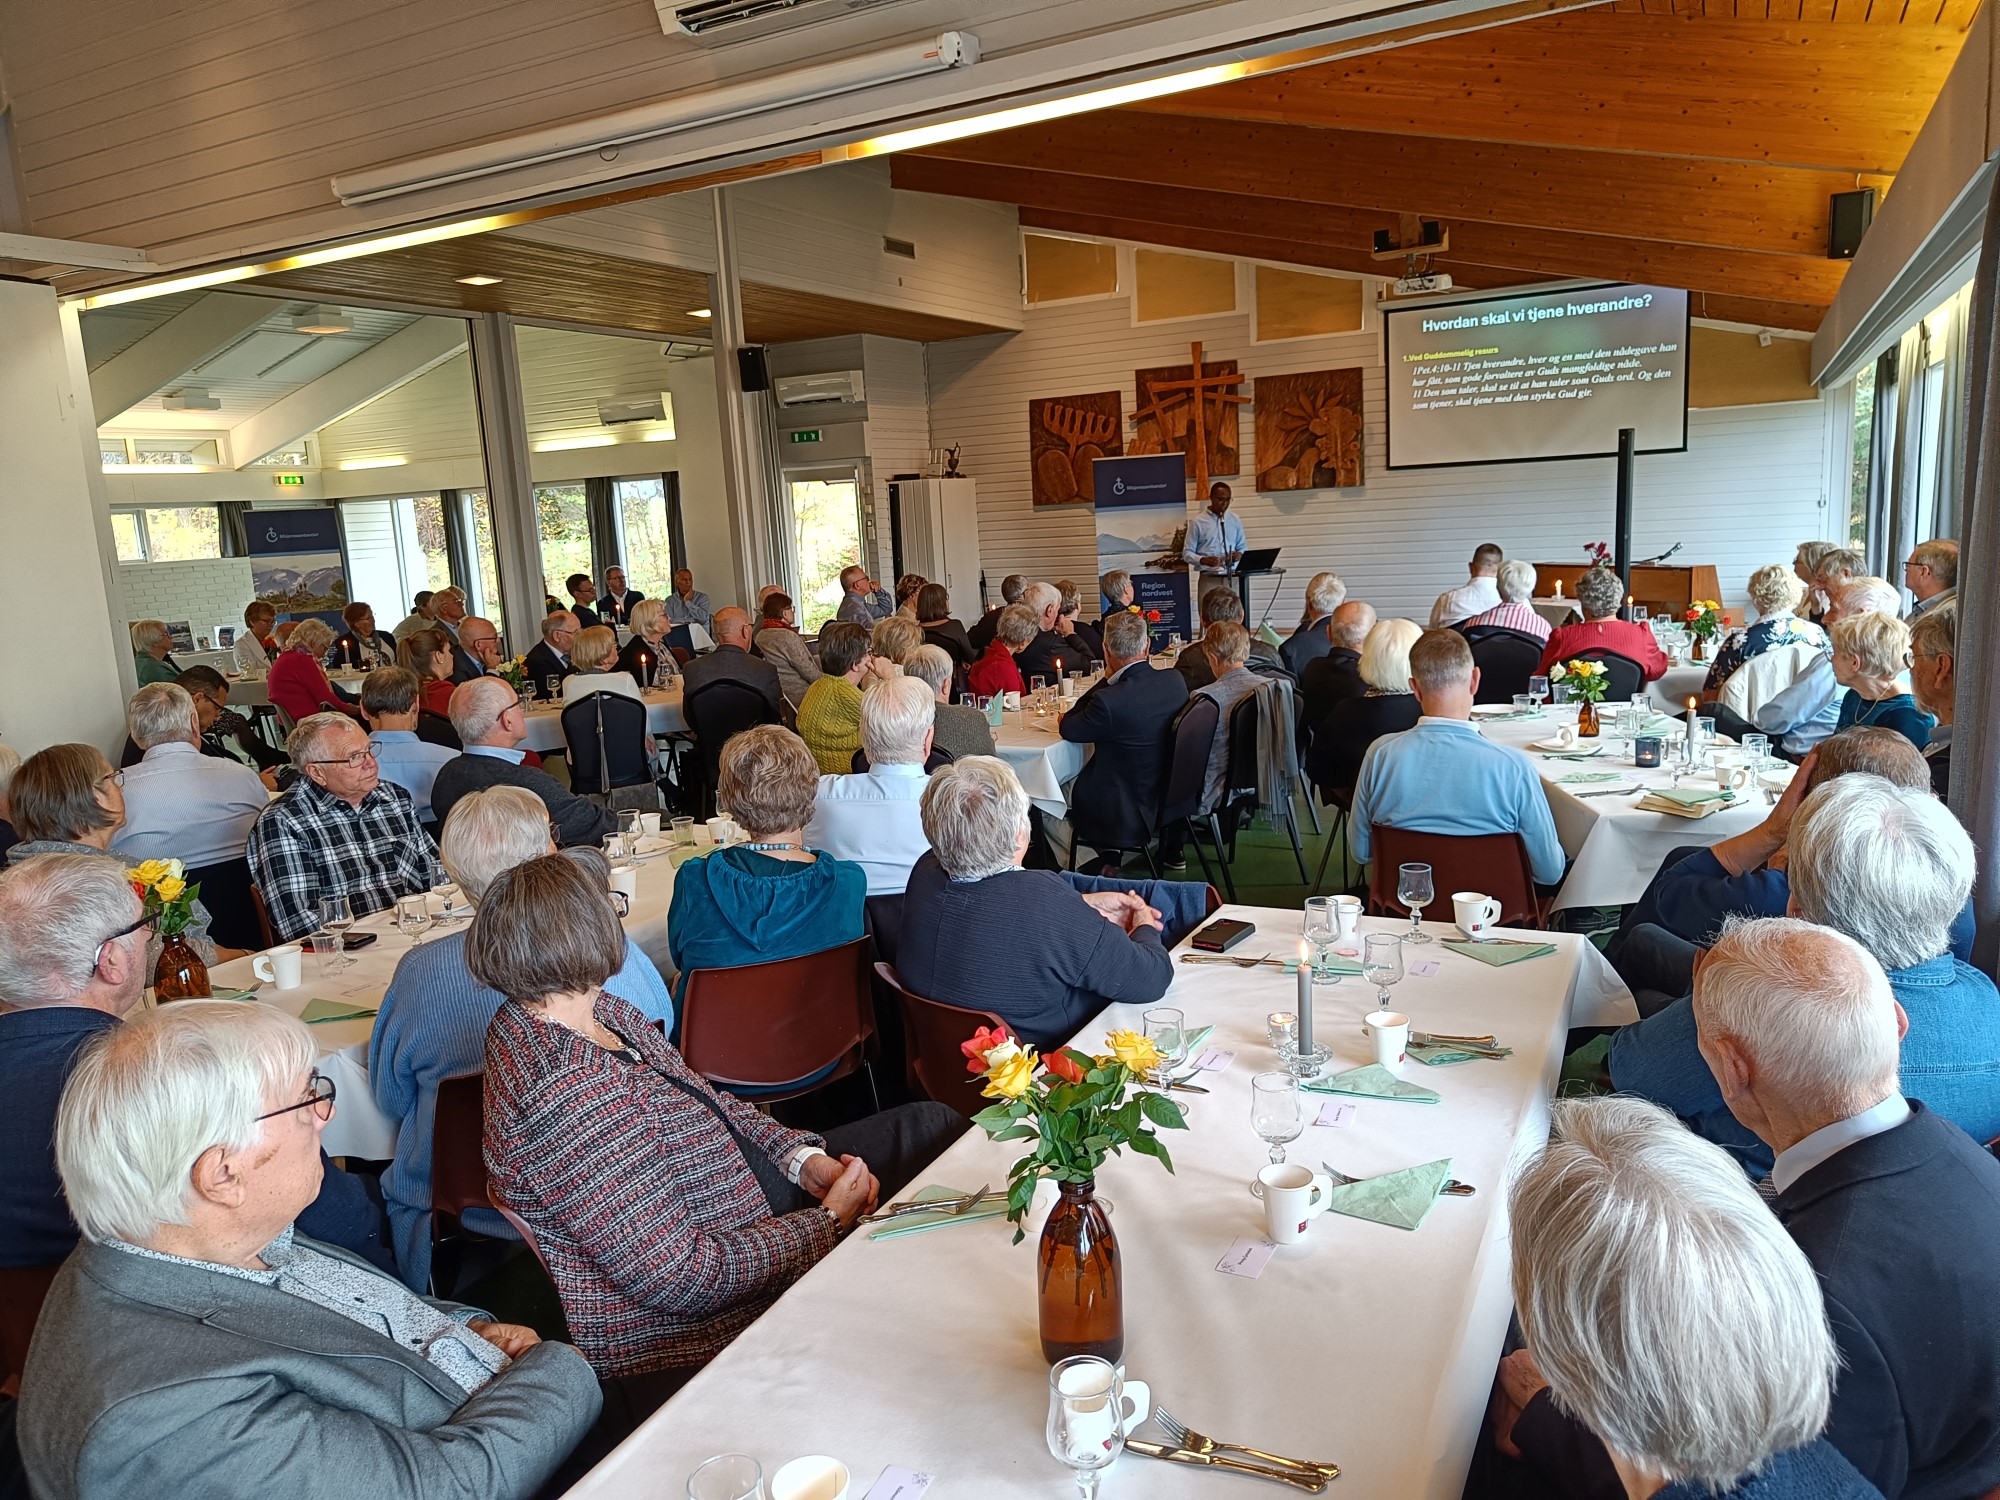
(1304,1063)
(1646,751)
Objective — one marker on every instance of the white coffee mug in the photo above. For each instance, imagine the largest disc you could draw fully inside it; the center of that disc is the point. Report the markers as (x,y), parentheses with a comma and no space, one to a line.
(1390,1032)
(1081,1382)
(1013,701)
(815,1477)
(283,966)
(1565,737)
(649,824)
(625,878)
(1293,1197)
(1730,772)
(721,830)
(1474,913)
(1347,914)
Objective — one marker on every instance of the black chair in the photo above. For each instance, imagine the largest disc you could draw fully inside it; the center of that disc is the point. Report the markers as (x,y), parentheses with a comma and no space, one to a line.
(1241,789)
(1624,676)
(606,734)
(1506,660)
(1192,733)
(232,910)
(932,761)
(433,728)
(717,711)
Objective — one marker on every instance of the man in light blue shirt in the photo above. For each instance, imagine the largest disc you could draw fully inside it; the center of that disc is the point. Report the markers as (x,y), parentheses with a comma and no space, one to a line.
(688,605)
(1445,777)
(389,699)
(179,803)
(875,818)
(1215,537)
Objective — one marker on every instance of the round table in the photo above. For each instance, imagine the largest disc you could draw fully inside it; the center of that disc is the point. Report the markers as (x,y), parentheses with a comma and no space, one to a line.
(663,716)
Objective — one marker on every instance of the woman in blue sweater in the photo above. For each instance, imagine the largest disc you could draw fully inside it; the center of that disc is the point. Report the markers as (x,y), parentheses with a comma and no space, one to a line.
(1870,652)
(432,1025)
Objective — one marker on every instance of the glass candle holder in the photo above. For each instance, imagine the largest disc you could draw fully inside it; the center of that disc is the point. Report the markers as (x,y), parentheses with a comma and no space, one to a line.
(1646,750)
(1283,1029)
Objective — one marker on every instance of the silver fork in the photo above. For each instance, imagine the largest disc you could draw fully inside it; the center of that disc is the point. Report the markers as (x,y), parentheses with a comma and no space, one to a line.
(1194,1442)
(1452,1185)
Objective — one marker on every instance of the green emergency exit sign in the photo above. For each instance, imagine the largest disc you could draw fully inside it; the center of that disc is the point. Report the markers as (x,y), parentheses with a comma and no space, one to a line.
(806,435)
(290,481)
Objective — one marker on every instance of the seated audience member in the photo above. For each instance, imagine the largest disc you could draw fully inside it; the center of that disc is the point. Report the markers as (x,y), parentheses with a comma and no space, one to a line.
(891,642)
(940,629)
(68,800)
(1934,675)
(731,661)
(281,633)
(780,644)
(491,722)
(254,646)
(1516,610)
(338,830)
(10,762)
(420,617)
(449,607)
(1800,716)
(999,670)
(907,589)
(432,1025)
(1674,1335)
(428,655)
(1837,570)
(772,897)
(829,718)
(1074,629)
(1309,641)
(389,699)
(1895,1206)
(480,639)
(969,902)
(196,1343)
(1699,888)
(361,647)
(595,659)
(981,633)
(179,803)
(1341,739)
(1775,593)
(862,600)
(151,643)
(1441,776)
(1128,718)
(1218,606)
(1050,655)
(297,682)
(1870,653)
(225,733)
(614,605)
(1115,592)
(871,818)
(647,651)
(958,729)
(1805,568)
(670,1213)
(1334,675)
(1931,575)
(548,659)
(1600,596)
(1477,594)
(1890,868)
(688,605)
(582,590)
(1226,647)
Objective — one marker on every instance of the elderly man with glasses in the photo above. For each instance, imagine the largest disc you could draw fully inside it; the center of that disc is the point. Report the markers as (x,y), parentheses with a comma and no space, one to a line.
(197,1343)
(340,830)
(491,721)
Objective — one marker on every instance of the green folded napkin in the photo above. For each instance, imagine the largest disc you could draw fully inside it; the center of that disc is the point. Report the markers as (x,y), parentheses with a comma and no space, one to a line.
(1335,965)
(1660,724)
(317,1011)
(1374,1082)
(1692,796)
(1441,1054)
(1586,778)
(1501,953)
(232,994)
(1398,1199)
(993,1208)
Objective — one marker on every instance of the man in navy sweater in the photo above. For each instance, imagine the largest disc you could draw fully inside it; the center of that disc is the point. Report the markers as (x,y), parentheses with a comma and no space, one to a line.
(1129,716)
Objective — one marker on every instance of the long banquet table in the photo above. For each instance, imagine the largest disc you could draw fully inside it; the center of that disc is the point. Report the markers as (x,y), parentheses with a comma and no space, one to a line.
(1368,1346)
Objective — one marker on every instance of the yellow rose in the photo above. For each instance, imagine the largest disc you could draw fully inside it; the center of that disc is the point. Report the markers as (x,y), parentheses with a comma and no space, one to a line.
(1009,1077)
(170,887)
(149,873)
(1135,1050)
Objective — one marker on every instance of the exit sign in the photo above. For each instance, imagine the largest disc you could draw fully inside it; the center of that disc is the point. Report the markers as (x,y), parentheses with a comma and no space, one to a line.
(806,435)
(289,481)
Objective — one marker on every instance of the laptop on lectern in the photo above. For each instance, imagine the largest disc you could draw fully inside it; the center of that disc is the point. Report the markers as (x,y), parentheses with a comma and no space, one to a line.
(1257,559)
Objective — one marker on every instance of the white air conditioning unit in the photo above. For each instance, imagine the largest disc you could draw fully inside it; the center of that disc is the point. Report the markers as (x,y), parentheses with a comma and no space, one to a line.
(734,20)
(833,388)
(649,406)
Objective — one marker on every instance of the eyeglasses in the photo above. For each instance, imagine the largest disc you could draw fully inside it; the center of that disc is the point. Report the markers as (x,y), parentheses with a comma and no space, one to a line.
(124,932)
(353,762)
(621,903)
(112,778)
(321,1102)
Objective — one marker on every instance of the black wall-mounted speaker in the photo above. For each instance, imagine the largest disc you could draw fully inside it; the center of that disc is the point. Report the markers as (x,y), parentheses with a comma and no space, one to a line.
(752,369)
(1847,220)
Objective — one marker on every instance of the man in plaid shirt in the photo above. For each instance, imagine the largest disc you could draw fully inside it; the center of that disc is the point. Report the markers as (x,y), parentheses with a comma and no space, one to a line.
(339,831)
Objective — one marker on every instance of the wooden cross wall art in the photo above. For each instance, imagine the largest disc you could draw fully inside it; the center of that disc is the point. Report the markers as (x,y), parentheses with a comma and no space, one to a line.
(1191,409)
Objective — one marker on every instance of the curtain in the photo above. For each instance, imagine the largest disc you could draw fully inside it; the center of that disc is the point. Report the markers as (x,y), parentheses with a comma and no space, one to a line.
(458,558)
(232,528)
(780,524)
(1947,519)
(600,511)
(677,542)
(1975,780)
(1894,523)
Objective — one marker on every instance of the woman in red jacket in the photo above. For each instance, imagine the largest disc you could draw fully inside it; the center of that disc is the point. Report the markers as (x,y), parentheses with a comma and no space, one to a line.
(997,671)
(1599,593)
(428,654)
(297,682)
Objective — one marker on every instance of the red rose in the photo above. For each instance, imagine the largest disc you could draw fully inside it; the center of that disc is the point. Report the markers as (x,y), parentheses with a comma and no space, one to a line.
(984,1040)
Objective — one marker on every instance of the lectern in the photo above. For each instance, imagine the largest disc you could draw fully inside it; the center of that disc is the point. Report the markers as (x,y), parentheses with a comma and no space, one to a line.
(1656,590)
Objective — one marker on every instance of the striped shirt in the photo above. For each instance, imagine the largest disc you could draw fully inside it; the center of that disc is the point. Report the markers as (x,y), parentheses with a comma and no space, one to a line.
(1518,616)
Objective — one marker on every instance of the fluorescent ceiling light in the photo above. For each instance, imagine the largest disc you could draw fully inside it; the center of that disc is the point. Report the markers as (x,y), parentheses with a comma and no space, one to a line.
(373,463)
(556,445)
(323,320)
(477,280)
(700,312)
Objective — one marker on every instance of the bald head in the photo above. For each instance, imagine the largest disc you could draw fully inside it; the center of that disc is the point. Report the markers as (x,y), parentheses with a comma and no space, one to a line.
(1350,623)
(480,637)
(732,627)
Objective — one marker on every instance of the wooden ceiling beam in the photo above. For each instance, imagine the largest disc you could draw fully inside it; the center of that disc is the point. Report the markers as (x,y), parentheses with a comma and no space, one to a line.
(1729,205)
(1787,278)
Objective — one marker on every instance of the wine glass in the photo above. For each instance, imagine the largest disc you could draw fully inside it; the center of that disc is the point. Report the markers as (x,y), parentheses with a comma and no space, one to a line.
(1086,1428)
(1274,1109)
(1382,964)
(727,1476)
(630,827)
(447,894)
(1322,927)
(1414,890)
(413,916)
(1166,1027)
(1538,691)
(336,915)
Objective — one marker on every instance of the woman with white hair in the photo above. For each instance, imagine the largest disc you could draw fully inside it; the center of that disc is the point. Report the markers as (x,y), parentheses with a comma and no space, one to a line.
(969,904)
(1668,1314)
(1775,593)
(1871,652)
(1389,706)
(1516,609)
(151,641)
(649,629)
(196,1345)
(298,683)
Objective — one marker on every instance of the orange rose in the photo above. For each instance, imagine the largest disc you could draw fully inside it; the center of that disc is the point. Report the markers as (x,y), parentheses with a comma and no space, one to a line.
(984,1040)
(1065,1067)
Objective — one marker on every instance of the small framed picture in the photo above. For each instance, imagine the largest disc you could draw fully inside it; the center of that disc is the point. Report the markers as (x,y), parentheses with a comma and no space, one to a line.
(225,637)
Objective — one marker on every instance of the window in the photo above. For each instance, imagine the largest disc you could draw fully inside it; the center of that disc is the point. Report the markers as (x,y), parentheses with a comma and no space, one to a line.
(1864,455)
(188,533)
(130,535)
(648,532)
(826,519)
(175,453)
(563,520)
(476,516)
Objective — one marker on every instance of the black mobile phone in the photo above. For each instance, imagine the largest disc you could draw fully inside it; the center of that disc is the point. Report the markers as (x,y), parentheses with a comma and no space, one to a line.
(1222,934)
(355,940)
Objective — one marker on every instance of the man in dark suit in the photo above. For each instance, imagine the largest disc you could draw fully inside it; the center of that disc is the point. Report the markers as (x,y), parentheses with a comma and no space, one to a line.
(615,606)
(1128,717)
(582,593)
(549,657)
(1336,676)
(1309,642)
(491,724)
(731,661)
(1050,655)
(981,633)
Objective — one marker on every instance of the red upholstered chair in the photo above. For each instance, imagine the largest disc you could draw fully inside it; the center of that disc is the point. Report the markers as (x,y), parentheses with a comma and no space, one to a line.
(779,1029)
(458,1172)
(22,1291)
(1495,864)
(932,1032)
(263,912)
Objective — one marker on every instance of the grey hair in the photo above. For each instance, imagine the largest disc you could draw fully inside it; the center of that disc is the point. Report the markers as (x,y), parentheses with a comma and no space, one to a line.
(161,713)
(477,705)
(1810,1004)
(1039,596)
(1878,642)
(311,637)
(1385,655)
(1599,592)
(389,690)
(1440,659)
(974,813)
(1889,867)
(1670,1311)
(1940,555)
(1516,581)
(310,733)
(850,575)
(1775,590)
(553,621)
(55,909)
(1326,593)
(1227,645)
(146,634)
(645,615)
(1114,583)
(896,714)
(1125,636)
(930,665)
(490,831)
(147,1098)
(1864,595)
(1351,625)
(10,762)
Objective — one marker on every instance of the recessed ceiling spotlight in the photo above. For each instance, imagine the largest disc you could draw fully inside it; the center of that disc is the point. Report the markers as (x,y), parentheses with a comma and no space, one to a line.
(478,280)
(323,320)
(699,312)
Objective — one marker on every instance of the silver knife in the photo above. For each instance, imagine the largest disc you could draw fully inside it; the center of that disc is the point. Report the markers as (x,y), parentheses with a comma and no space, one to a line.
(1308,1483)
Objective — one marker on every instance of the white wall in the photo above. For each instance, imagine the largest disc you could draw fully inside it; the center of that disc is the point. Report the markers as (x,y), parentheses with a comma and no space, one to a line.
(1749,488)
(206,594)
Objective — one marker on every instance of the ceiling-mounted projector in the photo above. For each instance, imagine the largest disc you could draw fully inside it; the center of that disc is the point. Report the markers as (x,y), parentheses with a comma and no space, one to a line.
(190,398)
(323,320)
(1418,286)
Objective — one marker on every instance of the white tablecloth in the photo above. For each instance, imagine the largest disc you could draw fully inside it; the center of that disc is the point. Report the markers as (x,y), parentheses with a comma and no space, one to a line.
(1555,611)
(1681,683)
(663,716)
(1368,1346)
(1617,848)
(1042,758)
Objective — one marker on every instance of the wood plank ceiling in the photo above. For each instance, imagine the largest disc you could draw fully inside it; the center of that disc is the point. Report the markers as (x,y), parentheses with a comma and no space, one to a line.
(1686,143)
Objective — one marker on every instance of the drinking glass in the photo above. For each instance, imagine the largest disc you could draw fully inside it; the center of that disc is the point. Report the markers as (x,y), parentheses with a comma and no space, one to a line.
(1704,731)
(1274,1109)
(682,832)
(629,825)
(447,895)
(413,917)
(1538,691)
(1322,927)
(615,847)
(729,1476)
(1167,1029)
(1757,751)
(1086,1428)
(1382,964)
(1038,687)
(552,686)
(1559,693)
(336,915)
(1524,703)
(1414,890)
(1282,1027)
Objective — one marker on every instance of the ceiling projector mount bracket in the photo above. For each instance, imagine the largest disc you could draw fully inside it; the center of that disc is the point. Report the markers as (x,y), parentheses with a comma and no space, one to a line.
(1414,242)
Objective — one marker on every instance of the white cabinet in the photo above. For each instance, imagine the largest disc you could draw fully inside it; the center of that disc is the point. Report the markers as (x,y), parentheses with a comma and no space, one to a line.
(940,523)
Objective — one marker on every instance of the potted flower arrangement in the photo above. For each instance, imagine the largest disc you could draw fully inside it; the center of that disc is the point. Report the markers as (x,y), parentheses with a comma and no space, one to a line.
(1587,681)
(162,884)
(1076,1109)
(1705,621)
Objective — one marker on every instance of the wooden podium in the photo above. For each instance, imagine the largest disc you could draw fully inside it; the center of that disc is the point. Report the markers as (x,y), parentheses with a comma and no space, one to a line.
(1655,589)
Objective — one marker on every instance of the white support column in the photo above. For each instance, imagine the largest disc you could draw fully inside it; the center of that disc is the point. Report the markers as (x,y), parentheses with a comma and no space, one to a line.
(743,462)
(510,484)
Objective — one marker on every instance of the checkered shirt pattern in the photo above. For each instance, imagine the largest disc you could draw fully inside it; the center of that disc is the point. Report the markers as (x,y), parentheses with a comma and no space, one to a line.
(309,844)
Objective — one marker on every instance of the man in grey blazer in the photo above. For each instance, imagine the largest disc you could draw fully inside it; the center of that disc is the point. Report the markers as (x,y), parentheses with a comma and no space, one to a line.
(227,1356)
